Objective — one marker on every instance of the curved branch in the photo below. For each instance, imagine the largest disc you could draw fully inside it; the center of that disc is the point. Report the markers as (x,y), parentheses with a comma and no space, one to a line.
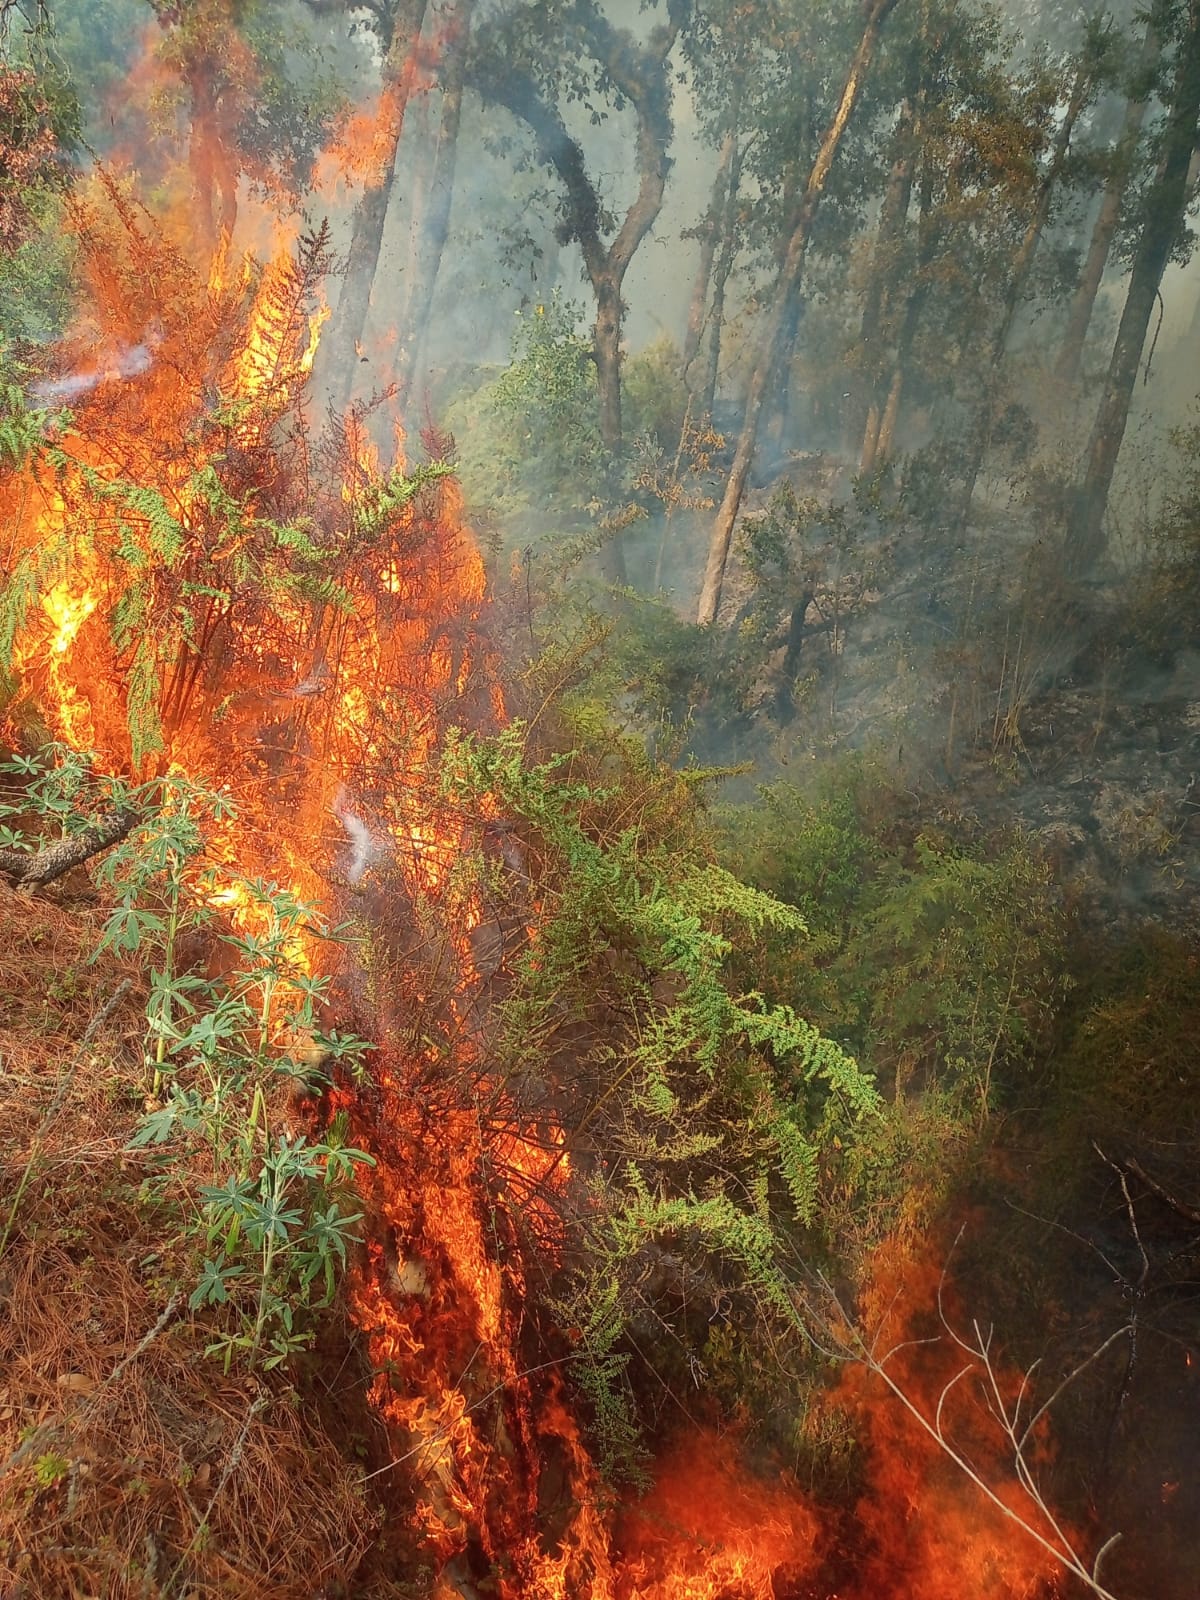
(517,91)
(56,860)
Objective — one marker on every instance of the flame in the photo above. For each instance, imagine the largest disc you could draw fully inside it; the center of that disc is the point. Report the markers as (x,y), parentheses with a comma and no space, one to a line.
(709,1529)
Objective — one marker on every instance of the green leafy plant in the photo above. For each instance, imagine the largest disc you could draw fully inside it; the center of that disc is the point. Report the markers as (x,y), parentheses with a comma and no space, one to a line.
(703,1120)
(50,1469)
(530,436)
(939,958)
(269,1214)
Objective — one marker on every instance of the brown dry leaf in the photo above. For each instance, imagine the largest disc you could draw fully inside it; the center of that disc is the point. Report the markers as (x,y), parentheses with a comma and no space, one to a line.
(76,1382)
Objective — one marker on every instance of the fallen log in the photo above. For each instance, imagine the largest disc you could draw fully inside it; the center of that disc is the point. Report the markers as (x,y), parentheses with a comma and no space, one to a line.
(36,868)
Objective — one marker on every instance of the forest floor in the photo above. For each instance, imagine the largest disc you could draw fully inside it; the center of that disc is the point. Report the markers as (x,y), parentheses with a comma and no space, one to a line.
(126,1452)
(129,1461)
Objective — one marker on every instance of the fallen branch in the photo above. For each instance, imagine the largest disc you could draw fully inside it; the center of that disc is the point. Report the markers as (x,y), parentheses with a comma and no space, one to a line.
(1016,1420)
(1130,1165)
(33,870)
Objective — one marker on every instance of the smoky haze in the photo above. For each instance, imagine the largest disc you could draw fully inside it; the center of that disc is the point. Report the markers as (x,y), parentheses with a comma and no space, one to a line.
(862,339)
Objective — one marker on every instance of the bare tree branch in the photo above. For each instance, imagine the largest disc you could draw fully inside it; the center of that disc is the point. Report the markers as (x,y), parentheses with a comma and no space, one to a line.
(1189,1213)
(841,1340)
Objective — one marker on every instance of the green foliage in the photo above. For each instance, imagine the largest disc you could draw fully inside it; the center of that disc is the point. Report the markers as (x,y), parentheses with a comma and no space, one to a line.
(265,1216)
(531,435)
(50,1468)
(802,550)
(21,430)
(705,1119)
(379,502)
(39,121)
(940,960)
(1126,1059)
(653,395)
(964,954)
(36,287)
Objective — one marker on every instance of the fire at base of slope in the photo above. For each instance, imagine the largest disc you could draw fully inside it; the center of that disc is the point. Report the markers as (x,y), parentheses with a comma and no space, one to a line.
(263,610)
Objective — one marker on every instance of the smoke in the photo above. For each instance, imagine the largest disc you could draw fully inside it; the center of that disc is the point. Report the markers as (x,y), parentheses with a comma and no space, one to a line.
(128,362)
(364,847)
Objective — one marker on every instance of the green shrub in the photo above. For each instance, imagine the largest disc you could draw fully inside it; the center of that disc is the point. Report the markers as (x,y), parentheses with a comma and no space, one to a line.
(654,397)
(702,1116)
(263,1217)
(530,439)
(939,962)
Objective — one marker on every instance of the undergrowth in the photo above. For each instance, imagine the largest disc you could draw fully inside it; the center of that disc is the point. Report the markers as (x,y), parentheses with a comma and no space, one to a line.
(129,1465)
(266,1212)
(703,1118)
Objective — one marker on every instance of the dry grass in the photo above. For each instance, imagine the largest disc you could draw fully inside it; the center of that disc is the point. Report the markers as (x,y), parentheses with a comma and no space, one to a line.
(130,1467)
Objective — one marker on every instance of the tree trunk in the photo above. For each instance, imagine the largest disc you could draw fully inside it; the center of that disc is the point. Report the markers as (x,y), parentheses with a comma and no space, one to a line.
(1083,301)
(716,311)
(1018,277)
(434,226)
(785,355)
(881,424)
(337,358)
(607,347)
(708,250)
(786,287)
(892,215)
(202,161)
(1165,205)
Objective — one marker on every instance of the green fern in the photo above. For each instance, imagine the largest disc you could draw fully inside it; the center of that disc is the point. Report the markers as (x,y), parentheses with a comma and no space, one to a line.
(718,1114)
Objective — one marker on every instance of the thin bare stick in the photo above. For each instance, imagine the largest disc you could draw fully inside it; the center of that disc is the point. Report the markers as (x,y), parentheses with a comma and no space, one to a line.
(1188,1212)
(1057,1544)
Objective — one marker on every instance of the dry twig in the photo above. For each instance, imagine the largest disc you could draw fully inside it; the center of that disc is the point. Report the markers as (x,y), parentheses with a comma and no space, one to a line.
(1015,1419)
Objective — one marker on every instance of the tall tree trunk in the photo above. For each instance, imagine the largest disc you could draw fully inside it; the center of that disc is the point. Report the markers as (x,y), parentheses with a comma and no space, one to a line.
(433,226)
(708,249)
(892,214)
(1165,205)
(724,267)
(1018,277)
(607,346)
(639,72)
(337,356)
(785,355)
(786,287)
(881,422)
(1104,231)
